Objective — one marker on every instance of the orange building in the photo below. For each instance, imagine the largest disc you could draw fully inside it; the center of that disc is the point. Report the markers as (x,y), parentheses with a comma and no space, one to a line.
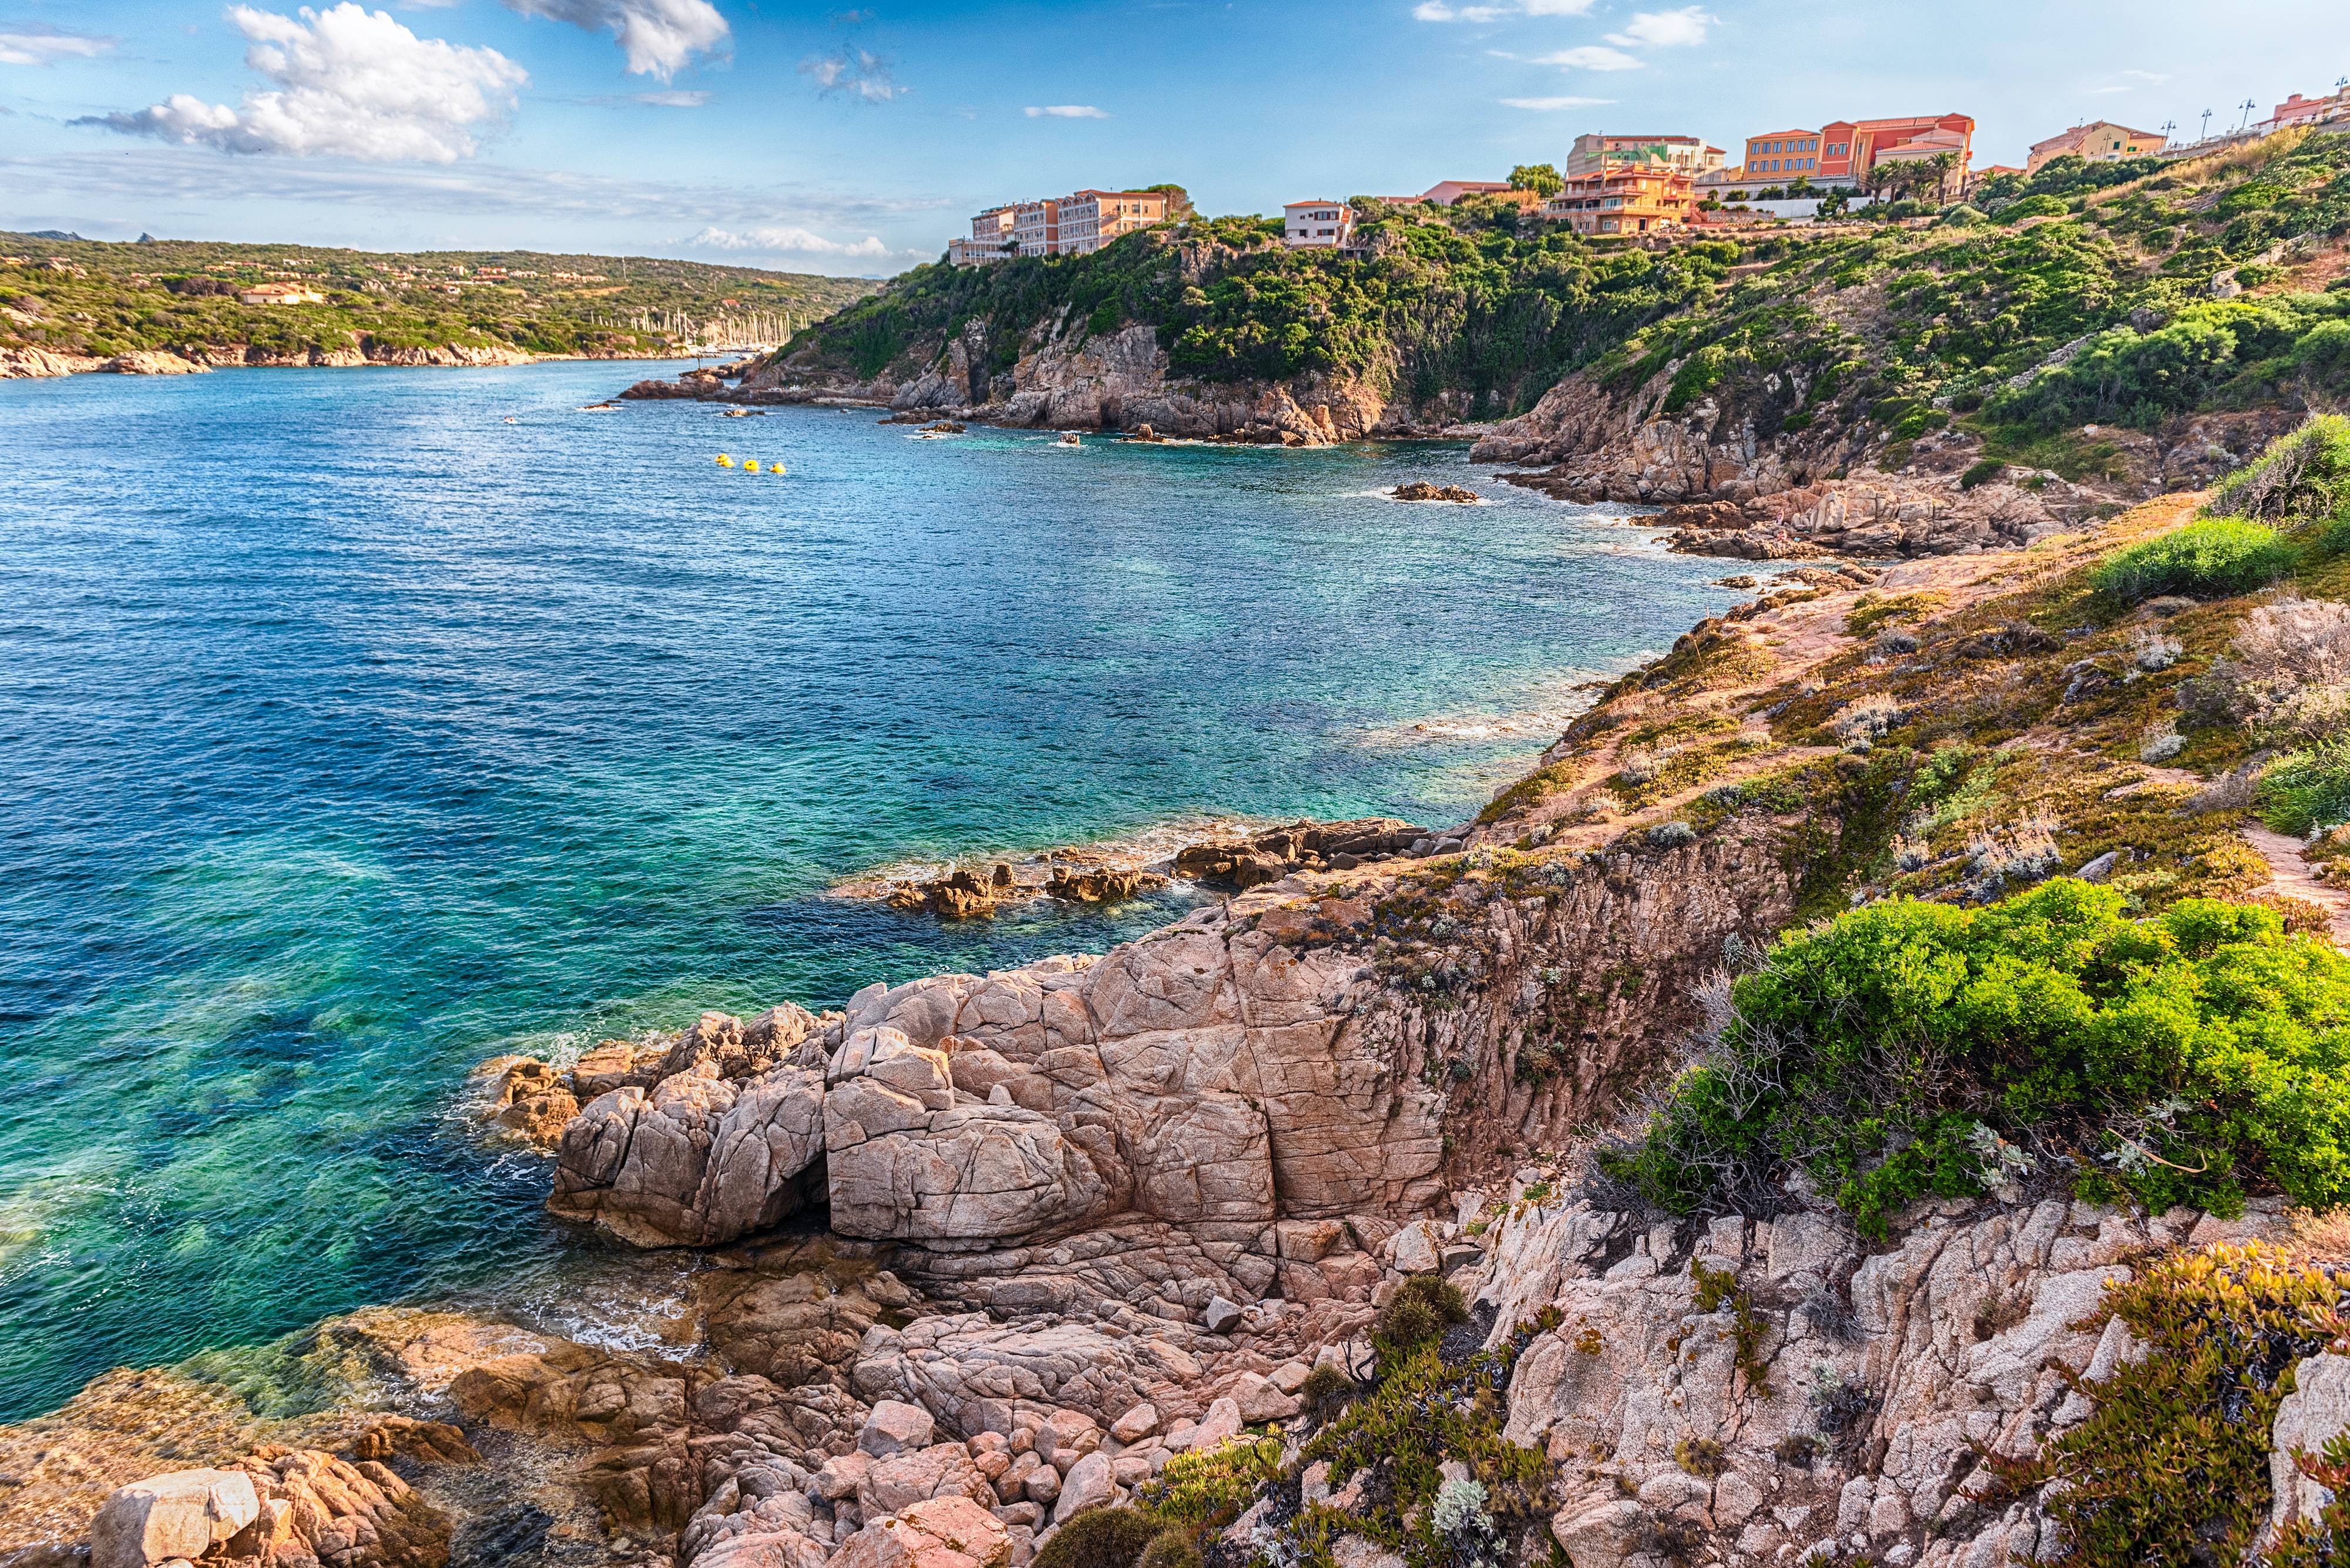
(1623,199)
(1850,148)
(1775,157)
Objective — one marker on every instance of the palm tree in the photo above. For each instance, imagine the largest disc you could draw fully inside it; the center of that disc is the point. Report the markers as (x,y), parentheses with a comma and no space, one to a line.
(1942,163)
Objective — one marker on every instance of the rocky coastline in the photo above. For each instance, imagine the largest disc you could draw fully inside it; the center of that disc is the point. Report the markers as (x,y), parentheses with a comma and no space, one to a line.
(974,1256)
(192,359)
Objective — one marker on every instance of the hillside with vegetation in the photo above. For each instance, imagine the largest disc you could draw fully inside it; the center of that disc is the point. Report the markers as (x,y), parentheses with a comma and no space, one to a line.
(2124,294)
(98,299)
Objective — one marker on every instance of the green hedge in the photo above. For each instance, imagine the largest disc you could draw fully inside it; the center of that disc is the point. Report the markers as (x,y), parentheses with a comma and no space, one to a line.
(1913,1049)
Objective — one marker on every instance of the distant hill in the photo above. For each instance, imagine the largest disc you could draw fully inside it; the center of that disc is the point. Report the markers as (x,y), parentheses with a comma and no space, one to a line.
(90,297)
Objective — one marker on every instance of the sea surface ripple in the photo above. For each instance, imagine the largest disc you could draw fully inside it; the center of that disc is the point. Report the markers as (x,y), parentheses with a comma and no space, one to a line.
(350,733)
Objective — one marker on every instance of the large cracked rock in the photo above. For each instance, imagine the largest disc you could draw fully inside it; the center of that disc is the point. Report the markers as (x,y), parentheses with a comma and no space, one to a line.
(974,1373)
(699,1160)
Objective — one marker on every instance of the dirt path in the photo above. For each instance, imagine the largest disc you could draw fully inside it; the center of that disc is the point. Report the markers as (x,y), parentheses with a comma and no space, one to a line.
(2292,875)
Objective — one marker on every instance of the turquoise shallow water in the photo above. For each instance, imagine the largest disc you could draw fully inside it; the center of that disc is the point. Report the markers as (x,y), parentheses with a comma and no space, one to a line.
(350,734)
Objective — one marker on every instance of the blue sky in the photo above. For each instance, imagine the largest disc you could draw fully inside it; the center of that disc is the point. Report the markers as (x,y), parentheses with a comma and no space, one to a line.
(822,138)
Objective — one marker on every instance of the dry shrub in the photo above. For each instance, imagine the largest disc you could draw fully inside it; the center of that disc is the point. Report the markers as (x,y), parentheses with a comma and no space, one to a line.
(2287,674)
(2301,915)
(2228,792)
(1864,718)
(2312,1236)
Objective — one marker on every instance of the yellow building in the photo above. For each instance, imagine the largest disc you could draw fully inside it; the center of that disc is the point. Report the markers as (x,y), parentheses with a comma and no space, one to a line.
(2099,142)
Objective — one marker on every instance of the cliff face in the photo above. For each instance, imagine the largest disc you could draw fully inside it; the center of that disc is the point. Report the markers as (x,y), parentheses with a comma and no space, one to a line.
(1069,379)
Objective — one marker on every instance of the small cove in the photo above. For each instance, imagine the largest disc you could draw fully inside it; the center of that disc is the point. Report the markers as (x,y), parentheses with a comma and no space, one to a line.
(351,735)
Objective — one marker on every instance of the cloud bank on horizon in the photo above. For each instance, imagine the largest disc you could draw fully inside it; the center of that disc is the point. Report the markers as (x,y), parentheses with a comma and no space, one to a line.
(874,129)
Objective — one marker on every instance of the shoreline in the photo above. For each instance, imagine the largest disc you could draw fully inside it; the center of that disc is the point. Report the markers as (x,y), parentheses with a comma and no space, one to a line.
(45,365)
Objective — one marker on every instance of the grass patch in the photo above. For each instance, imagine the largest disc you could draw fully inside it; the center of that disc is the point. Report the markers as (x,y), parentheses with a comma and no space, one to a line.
(2309,789)
(2212,557)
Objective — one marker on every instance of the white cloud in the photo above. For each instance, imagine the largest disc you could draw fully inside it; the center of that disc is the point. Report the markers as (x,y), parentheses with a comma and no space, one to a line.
(660,36)
(852,73)
(1590,57)
(1065,111)
(346,83)
(1553,105)
(44,47)
(781,240)
(1666,29)
(1443,11)
(677,100)
(2136,79)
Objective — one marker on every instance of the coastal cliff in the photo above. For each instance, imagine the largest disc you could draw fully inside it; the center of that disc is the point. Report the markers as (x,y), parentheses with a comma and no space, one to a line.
(2126,329)
(1367,1216)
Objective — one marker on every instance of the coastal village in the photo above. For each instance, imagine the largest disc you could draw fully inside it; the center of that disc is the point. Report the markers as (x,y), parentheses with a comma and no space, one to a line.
(1642,184)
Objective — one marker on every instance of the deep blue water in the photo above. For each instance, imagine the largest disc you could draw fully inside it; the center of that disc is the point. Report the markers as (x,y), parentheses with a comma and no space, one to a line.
(350,734)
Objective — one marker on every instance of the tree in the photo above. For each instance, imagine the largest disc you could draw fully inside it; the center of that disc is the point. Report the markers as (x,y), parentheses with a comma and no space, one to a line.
(1541,179)
(1942,164)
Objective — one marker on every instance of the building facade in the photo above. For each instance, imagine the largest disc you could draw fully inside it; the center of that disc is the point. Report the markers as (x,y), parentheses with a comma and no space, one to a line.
(1689,154)
(992,239)
(1850,150)
(280,294)
(1776,157)
(1036,228)
(1316,225)
(2099,142)
(1623,199)
(2299,110)
(1091,219)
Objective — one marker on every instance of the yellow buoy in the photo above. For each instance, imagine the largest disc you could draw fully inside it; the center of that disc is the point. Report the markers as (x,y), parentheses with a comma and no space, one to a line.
(775,468)
(725,461)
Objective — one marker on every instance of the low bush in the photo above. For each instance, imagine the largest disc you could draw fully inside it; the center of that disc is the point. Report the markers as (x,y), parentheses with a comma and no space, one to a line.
(2301,477)
(1979,473)
(1326,1392)
(1210,1486)
(2306,790)
(1100,1538)
(2286,676)
(1423,1308)
(2172,1464)
(1911,1049)
(1170,1549)
(2213,557)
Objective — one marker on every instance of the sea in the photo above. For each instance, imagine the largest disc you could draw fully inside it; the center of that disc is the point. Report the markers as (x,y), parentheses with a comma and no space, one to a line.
(359,725)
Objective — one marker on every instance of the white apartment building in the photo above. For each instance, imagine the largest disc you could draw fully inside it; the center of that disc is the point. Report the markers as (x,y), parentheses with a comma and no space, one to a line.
(1325,225)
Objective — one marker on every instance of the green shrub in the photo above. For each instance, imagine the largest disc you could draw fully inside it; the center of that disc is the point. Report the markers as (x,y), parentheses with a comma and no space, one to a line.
(1423,1413)
(2301,477)
(1172,1548)
(1100,1538)
(1423,1308)
(2215,557)
(2042,206)
(2307,789)
(1912,1049)
(2172,1464)
(1981,473)
(1210,1486)
(1326,1393)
